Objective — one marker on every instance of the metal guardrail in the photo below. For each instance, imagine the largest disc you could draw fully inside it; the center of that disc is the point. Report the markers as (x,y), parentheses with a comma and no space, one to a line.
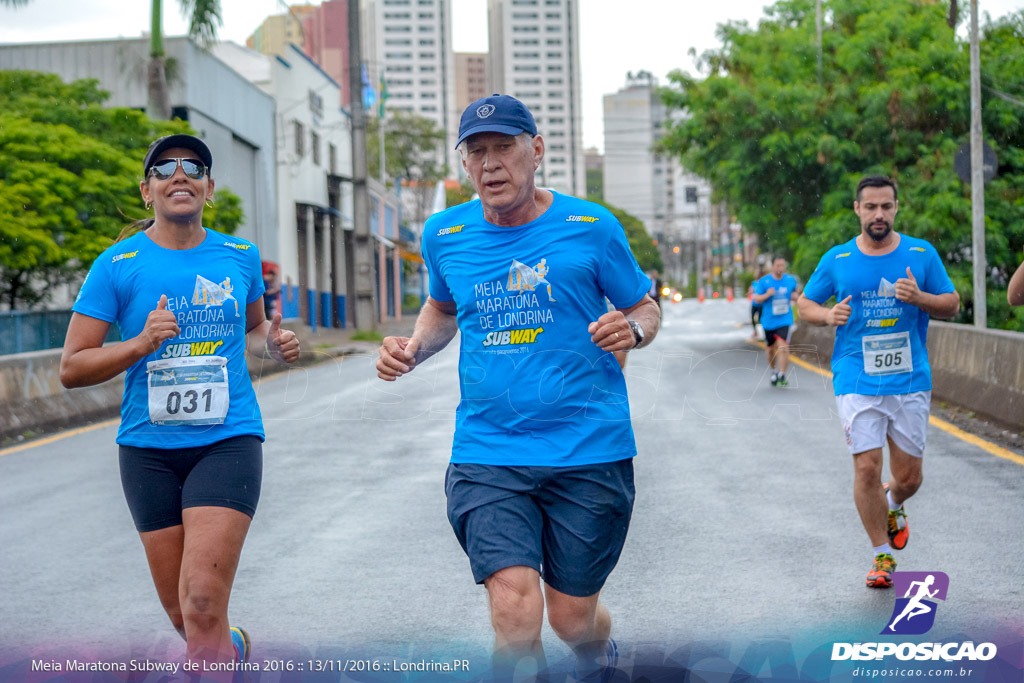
(23,331)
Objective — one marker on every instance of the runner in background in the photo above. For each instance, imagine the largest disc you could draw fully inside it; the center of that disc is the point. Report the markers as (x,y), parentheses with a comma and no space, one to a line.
(887,285)
(776,293)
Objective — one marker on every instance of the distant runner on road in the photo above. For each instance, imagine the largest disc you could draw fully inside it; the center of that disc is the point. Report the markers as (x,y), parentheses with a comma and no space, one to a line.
(776,293)
(755,310)
(887,285)
(540,484)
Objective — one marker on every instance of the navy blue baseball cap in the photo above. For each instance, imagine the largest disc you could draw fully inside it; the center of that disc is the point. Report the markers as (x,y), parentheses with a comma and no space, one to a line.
(496,114)
(189,142)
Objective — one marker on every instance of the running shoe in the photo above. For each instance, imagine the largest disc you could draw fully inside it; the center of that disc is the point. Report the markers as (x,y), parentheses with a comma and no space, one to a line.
(782,381)
(243,646)
(604,674)
(775,379)
(899,530)
(880,575)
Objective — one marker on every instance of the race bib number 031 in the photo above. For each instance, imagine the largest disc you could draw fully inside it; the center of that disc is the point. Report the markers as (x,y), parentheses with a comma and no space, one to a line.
(188,391)
(887,354)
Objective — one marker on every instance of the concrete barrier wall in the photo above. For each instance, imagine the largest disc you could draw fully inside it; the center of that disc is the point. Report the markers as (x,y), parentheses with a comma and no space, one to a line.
(32,398)
(982,370)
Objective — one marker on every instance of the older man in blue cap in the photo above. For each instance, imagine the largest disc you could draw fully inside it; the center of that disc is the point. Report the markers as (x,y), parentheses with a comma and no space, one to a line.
(540,484)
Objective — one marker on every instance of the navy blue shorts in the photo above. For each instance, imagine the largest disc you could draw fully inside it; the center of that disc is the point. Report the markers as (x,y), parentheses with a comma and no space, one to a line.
(778,333)
(568,523)
(160,482)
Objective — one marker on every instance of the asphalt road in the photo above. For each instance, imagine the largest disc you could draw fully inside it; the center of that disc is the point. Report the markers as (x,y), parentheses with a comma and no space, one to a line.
(744,526)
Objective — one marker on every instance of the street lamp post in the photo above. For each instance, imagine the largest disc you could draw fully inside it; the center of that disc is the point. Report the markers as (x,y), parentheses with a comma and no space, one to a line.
(977,179)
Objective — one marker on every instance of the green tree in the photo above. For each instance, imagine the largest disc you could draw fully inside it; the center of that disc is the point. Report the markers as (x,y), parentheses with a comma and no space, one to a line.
(640,242)
(204,18)
(461,194)
(412,147)
(69,181)
(595,184)
(787,151)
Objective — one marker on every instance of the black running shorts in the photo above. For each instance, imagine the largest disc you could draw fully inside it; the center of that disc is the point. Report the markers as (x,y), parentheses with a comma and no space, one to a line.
(780,333)
(159,483)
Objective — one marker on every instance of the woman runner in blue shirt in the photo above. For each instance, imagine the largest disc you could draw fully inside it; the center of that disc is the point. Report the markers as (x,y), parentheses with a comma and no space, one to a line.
(191,434)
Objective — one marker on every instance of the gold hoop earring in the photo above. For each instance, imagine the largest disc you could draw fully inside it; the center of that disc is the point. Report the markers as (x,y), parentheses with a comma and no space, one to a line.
(148,205)
(209,203)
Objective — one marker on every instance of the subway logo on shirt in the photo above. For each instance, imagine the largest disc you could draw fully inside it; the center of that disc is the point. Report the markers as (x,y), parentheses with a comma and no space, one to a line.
(203,348)
(512,337)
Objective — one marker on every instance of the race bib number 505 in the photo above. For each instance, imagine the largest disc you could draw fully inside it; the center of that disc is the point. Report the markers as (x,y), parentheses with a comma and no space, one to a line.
(188,391)
(887,354)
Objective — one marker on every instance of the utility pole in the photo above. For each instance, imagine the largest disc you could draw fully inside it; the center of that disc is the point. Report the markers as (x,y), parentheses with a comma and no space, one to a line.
(365,308)
(977,180)
(732,253)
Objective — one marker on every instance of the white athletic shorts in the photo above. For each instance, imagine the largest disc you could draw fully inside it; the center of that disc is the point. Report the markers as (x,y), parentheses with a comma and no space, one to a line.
(867,420)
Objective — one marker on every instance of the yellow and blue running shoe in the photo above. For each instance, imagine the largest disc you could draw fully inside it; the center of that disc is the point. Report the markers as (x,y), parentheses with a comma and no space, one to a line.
(243,646)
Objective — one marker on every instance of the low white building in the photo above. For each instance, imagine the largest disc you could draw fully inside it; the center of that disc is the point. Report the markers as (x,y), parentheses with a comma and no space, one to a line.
(314,190)
(280,141)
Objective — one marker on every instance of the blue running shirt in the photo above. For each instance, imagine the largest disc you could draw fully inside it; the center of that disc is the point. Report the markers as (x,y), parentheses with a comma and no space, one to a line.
(881,350)
(777,311)
(195,401)
(535,389)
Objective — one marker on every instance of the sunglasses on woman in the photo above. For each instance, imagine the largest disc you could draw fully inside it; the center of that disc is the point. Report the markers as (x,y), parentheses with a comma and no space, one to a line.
(165,168)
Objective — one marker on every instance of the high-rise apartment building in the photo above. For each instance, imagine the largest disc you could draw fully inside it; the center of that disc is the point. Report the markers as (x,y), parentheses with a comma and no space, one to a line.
(636,178)
(321,31)
(674,204)
(534,49)
(279,31)
(410,43)
(325,34)
(470,78)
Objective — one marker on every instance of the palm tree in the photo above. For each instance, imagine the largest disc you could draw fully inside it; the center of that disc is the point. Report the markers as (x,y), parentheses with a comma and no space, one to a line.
(204,18)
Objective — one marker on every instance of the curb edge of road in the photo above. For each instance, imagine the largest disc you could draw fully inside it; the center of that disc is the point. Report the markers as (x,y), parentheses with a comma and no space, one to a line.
(939,423)
(328,356)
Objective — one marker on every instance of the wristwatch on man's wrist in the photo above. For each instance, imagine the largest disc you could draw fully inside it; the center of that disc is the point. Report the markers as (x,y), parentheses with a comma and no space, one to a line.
(638,332)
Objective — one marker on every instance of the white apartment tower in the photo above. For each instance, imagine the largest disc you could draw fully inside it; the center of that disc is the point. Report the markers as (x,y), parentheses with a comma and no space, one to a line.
(535,57)
(410,42)
(673,203)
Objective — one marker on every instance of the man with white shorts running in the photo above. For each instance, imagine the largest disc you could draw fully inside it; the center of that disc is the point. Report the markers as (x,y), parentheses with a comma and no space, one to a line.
(887,285)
